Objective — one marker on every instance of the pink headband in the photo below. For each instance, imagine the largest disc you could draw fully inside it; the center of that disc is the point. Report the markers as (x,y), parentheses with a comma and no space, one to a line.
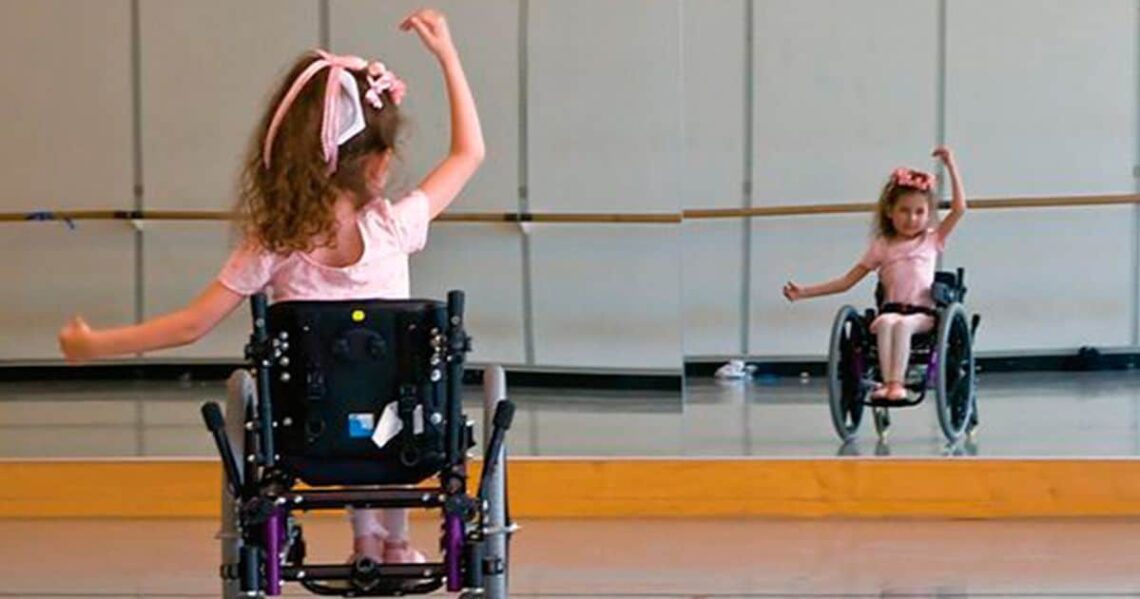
(906,177)
(343,115)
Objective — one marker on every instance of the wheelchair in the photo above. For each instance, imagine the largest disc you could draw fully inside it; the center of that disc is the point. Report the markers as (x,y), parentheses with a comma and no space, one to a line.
(360,403)
(941,359)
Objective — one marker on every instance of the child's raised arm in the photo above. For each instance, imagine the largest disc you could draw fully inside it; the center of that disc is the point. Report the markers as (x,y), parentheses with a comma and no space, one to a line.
(795,292)
(466,152)
(958,203)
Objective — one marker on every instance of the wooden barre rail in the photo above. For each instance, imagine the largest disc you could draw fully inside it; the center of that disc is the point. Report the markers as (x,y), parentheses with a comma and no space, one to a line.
(595,218)
(456,217)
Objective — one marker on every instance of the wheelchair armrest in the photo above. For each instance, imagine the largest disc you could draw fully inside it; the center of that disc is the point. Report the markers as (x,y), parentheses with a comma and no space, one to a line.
(942,294)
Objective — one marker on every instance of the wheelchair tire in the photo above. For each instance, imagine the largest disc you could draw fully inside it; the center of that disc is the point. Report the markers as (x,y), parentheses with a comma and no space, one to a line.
(845,390)
(954,379)
(240,390)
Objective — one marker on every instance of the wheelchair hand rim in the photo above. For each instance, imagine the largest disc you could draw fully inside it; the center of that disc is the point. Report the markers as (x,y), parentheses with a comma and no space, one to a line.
(845,373)
(954,383)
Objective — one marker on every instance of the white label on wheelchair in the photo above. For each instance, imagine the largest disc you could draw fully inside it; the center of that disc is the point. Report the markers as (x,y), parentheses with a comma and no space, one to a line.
(390,425)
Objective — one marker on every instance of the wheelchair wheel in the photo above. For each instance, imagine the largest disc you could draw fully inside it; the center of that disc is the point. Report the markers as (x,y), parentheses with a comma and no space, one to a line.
(954,380)
(239,397)
(845,370)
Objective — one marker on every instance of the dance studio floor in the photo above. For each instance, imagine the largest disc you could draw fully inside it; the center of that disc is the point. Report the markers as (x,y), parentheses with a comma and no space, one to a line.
(633,558)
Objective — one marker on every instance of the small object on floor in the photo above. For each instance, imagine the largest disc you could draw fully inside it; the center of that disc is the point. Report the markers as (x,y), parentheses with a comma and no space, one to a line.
(735,370)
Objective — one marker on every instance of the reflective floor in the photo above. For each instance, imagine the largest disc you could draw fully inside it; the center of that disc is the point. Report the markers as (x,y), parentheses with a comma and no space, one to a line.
(138,418)
(632,558)
(1025,414)
(1022,414)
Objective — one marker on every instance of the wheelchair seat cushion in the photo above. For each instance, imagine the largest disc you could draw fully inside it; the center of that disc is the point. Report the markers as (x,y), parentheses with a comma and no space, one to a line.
(907,309)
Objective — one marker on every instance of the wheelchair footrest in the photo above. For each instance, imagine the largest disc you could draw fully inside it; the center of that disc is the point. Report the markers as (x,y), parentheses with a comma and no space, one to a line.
(348,571)
(368,579)
(365,498)
(909,402)
(398,588)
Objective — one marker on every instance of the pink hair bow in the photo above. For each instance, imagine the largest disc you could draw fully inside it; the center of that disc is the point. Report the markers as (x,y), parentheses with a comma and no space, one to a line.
(343,116)
(907,177)
(381,80)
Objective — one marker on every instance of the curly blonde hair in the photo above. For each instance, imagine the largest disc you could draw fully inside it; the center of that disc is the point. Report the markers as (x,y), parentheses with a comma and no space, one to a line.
(288,206)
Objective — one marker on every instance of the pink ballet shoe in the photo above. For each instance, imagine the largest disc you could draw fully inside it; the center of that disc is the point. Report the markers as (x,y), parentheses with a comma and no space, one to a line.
(896,392)
(400,552)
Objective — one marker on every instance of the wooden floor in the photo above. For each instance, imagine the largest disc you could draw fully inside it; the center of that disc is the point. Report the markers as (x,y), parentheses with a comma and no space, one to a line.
(632,558)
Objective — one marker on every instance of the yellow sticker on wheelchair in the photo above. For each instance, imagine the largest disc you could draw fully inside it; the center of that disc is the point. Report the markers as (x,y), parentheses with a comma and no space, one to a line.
(357,315)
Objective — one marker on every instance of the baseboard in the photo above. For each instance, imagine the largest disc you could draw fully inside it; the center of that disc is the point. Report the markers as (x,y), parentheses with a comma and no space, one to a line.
(1082,360)
(630,487)
(1086,359)
(519,376)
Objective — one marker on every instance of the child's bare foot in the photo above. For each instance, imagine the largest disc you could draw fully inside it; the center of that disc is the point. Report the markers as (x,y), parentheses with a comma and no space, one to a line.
(896,391)
(879,392)
(400,552)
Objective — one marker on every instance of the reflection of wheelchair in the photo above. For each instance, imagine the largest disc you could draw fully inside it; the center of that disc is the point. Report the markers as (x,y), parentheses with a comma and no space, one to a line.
(365,404)
(942,359)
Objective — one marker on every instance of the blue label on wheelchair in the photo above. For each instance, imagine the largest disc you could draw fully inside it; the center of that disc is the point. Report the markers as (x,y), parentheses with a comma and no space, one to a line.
(360,426)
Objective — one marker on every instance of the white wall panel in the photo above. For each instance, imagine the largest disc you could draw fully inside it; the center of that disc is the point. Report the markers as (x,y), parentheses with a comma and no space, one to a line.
(209,68)
(606,296)
(605,106)
(844,92)
(67,105)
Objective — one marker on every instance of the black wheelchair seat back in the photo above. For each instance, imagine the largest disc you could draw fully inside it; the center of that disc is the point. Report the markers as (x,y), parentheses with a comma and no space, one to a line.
(357,389)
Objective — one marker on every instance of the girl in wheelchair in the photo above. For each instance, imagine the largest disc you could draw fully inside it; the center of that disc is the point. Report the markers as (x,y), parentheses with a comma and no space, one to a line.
(315,223)
(907,240)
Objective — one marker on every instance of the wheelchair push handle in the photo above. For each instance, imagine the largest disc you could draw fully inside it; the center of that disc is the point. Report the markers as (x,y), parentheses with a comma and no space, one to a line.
(212,416)
(455,304)
(258,309)
(258,352)
(216,423)
(504,414)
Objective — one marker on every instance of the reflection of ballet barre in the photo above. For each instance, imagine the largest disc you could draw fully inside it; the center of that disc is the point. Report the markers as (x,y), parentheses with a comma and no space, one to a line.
(978,204)
(592,218)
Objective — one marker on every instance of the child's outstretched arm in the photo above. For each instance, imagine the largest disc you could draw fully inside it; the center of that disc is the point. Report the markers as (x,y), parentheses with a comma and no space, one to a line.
(958,203)
(80,343)
(466,153)
(795,292)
